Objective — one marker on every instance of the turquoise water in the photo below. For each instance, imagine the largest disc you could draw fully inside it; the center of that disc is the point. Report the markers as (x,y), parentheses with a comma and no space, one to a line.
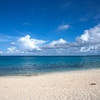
(20,65)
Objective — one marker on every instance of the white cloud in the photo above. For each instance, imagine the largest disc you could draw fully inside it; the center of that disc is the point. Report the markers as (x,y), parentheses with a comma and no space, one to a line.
(57,44)
(27,43)
(85,36)
(12,50)
(91,48)
(63,27)
(84,49)
(91,36)
(87,43)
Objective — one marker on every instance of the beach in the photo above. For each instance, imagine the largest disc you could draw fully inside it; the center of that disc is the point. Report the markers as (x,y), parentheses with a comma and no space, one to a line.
(72,85)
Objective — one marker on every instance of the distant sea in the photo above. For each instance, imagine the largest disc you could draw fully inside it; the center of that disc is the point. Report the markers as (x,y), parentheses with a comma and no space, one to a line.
(27,65)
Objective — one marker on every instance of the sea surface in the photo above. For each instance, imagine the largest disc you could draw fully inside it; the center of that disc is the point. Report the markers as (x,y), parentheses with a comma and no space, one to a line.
(27,65)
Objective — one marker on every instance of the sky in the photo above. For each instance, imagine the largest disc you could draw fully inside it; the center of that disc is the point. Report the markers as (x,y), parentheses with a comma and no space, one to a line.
(49,27)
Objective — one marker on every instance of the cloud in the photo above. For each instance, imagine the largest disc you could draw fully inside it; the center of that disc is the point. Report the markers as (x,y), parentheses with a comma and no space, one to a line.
(26,23)
(84,49)
(25,46)
(91,36)
(13,50)
(57,44)
(28,43)
(91,49)
(87,43)
(63,27)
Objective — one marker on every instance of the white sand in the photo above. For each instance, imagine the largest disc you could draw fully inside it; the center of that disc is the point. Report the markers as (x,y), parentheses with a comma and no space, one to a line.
(56,86)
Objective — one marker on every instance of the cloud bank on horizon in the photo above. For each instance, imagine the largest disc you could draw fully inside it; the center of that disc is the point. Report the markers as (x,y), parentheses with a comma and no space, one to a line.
(87,43)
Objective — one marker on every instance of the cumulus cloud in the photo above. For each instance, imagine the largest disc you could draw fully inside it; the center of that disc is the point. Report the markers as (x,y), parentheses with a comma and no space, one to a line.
(61,43)
(89,41)
(28,43)
(12,50)
(25,45)
(91,36)
(63,27)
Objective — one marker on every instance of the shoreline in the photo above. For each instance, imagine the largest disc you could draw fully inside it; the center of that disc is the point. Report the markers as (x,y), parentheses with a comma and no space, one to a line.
(50,73)
(70,85)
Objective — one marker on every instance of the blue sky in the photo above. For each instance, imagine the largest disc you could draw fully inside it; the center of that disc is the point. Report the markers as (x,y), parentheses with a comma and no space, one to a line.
(49,27)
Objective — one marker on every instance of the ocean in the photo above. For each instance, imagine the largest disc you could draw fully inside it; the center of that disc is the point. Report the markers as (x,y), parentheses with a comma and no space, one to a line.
(27,65)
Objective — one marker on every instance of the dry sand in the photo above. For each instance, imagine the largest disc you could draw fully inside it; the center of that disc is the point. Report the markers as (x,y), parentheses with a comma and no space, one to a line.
(76,85)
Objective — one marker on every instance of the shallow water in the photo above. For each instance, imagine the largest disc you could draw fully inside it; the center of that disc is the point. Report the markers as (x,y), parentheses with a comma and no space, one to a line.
(20,65)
